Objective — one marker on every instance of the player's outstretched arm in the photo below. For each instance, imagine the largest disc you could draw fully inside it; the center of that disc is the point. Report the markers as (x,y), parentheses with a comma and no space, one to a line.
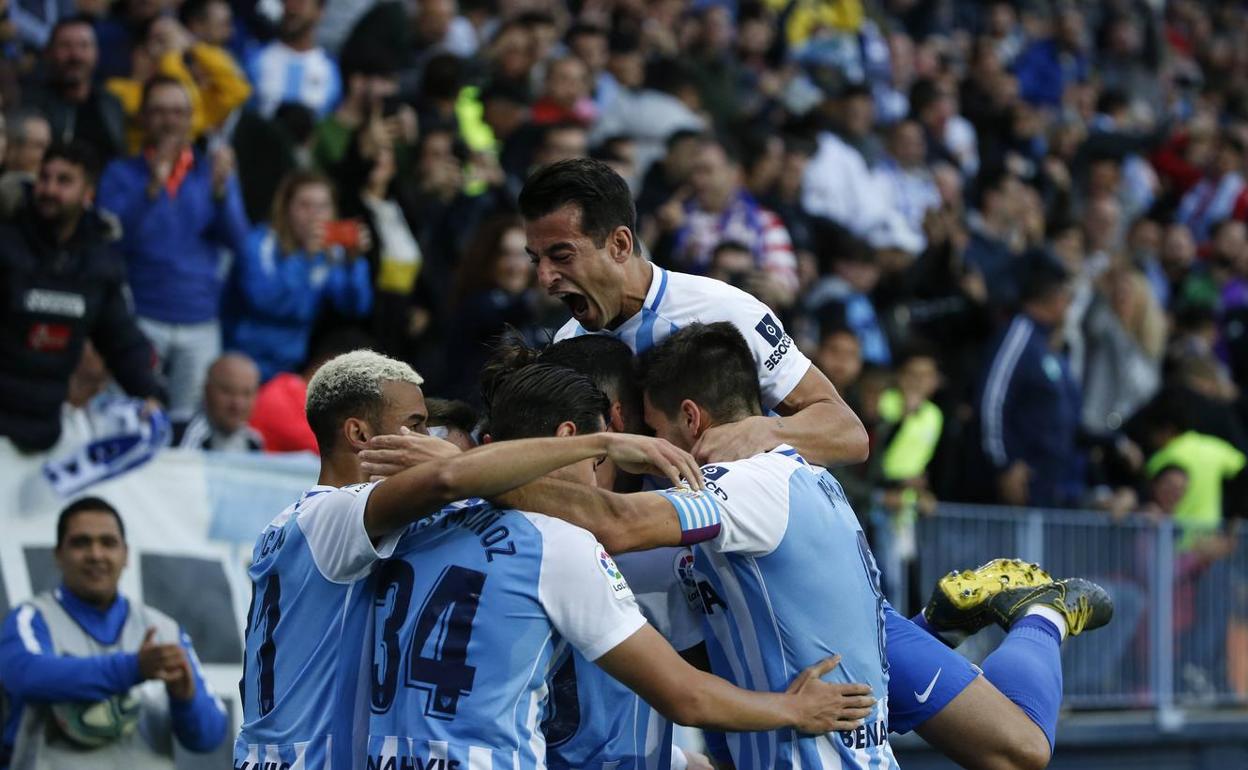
(815,421)
(494,468)
(648,665)
(623,523)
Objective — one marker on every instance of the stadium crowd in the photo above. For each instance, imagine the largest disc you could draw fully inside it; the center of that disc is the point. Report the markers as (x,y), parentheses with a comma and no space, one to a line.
(1014,235)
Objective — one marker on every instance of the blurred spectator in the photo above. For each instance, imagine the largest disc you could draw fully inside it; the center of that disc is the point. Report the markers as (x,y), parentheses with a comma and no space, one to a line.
(293,67)
(906,178)
(845,295)
(268,150)
(371,84)
(566,95)
(28,138)
(666,179)
(997,238)
(909,431)
(1220,194)
(839,356)
(655,119)
(1125,332)
(1054,58)
(1029,402)
(1217,488)
(209,21)
(69,282)
(229,395)
(292,270)
(177,207)
(721,209)
(212,79)
(366,184)
(121,29)
(77,108)
(492,291)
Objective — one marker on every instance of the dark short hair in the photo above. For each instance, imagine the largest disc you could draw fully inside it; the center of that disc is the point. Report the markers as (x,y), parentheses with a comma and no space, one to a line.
(452,414)
(76,153)
(160,81)
(592,186)
(709,364)
(536,399)
(70,21)
(83,505)
(1042,276)
(195,10)
(606,361)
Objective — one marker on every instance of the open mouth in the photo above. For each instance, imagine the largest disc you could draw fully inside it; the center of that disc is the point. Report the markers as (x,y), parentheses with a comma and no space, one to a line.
(576,303)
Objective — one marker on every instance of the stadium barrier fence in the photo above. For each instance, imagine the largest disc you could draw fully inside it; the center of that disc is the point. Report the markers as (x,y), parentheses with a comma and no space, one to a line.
(1179,636)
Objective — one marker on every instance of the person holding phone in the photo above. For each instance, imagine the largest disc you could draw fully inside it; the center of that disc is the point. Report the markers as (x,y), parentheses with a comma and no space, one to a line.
(292,270)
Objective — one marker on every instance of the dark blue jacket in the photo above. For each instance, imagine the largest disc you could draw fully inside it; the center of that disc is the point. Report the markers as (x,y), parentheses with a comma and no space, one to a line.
(1029,410)
(276,299)
(32,671)
(172,245)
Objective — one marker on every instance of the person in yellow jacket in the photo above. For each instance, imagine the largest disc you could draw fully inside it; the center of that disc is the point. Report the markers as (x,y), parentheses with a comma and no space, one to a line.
(908,434)
(214,81)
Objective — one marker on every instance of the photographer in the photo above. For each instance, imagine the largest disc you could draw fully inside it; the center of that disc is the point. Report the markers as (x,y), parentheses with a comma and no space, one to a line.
(290,270)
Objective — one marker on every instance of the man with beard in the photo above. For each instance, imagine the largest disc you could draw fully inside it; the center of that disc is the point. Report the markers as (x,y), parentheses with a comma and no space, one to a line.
(294,68)
(75,107)
(66,285)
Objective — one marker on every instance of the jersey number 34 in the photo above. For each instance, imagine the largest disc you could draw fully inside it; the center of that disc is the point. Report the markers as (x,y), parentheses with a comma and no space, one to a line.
(437,655)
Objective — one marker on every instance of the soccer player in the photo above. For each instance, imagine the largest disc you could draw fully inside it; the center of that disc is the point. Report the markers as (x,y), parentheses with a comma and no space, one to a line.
(474,609)
(579,221)
(773,534)
(306,627)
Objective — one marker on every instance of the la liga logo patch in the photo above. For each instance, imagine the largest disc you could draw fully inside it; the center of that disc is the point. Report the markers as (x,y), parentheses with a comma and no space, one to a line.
(619,586)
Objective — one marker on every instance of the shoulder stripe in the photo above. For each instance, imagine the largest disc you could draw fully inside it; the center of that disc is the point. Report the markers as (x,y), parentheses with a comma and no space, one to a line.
(658,298)
(26,629)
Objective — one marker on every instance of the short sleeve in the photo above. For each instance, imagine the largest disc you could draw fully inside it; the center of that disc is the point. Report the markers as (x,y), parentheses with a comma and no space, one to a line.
(781,366)
(333,524)
(666,590)
(583,591)
(753,497)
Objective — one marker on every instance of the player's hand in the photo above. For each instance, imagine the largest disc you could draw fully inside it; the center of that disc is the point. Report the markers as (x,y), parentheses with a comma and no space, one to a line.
(824,707)
(1014,483)
(390,454)
(155,659)
(180,680)
(736,440)
(696,761)
(644,454)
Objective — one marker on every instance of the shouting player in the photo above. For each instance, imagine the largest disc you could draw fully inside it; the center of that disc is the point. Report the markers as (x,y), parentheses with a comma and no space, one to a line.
(579,220)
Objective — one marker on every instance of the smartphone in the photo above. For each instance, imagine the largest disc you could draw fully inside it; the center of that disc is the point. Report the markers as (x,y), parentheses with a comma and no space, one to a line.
(344,233)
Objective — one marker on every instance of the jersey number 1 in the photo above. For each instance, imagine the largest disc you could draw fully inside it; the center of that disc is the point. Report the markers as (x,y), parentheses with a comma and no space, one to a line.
(443,629)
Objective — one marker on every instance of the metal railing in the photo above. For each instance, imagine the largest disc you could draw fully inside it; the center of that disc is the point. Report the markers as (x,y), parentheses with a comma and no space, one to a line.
(1179,637)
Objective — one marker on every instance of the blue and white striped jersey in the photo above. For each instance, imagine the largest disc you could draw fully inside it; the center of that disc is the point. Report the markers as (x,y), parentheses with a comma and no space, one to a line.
(470,618)
(676,300)
(596,722)
(282,74)
(789,580)
(673,300)
(302,687)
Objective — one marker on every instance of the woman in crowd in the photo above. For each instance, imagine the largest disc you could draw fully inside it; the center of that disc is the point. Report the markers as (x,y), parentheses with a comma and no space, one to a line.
(293,270)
